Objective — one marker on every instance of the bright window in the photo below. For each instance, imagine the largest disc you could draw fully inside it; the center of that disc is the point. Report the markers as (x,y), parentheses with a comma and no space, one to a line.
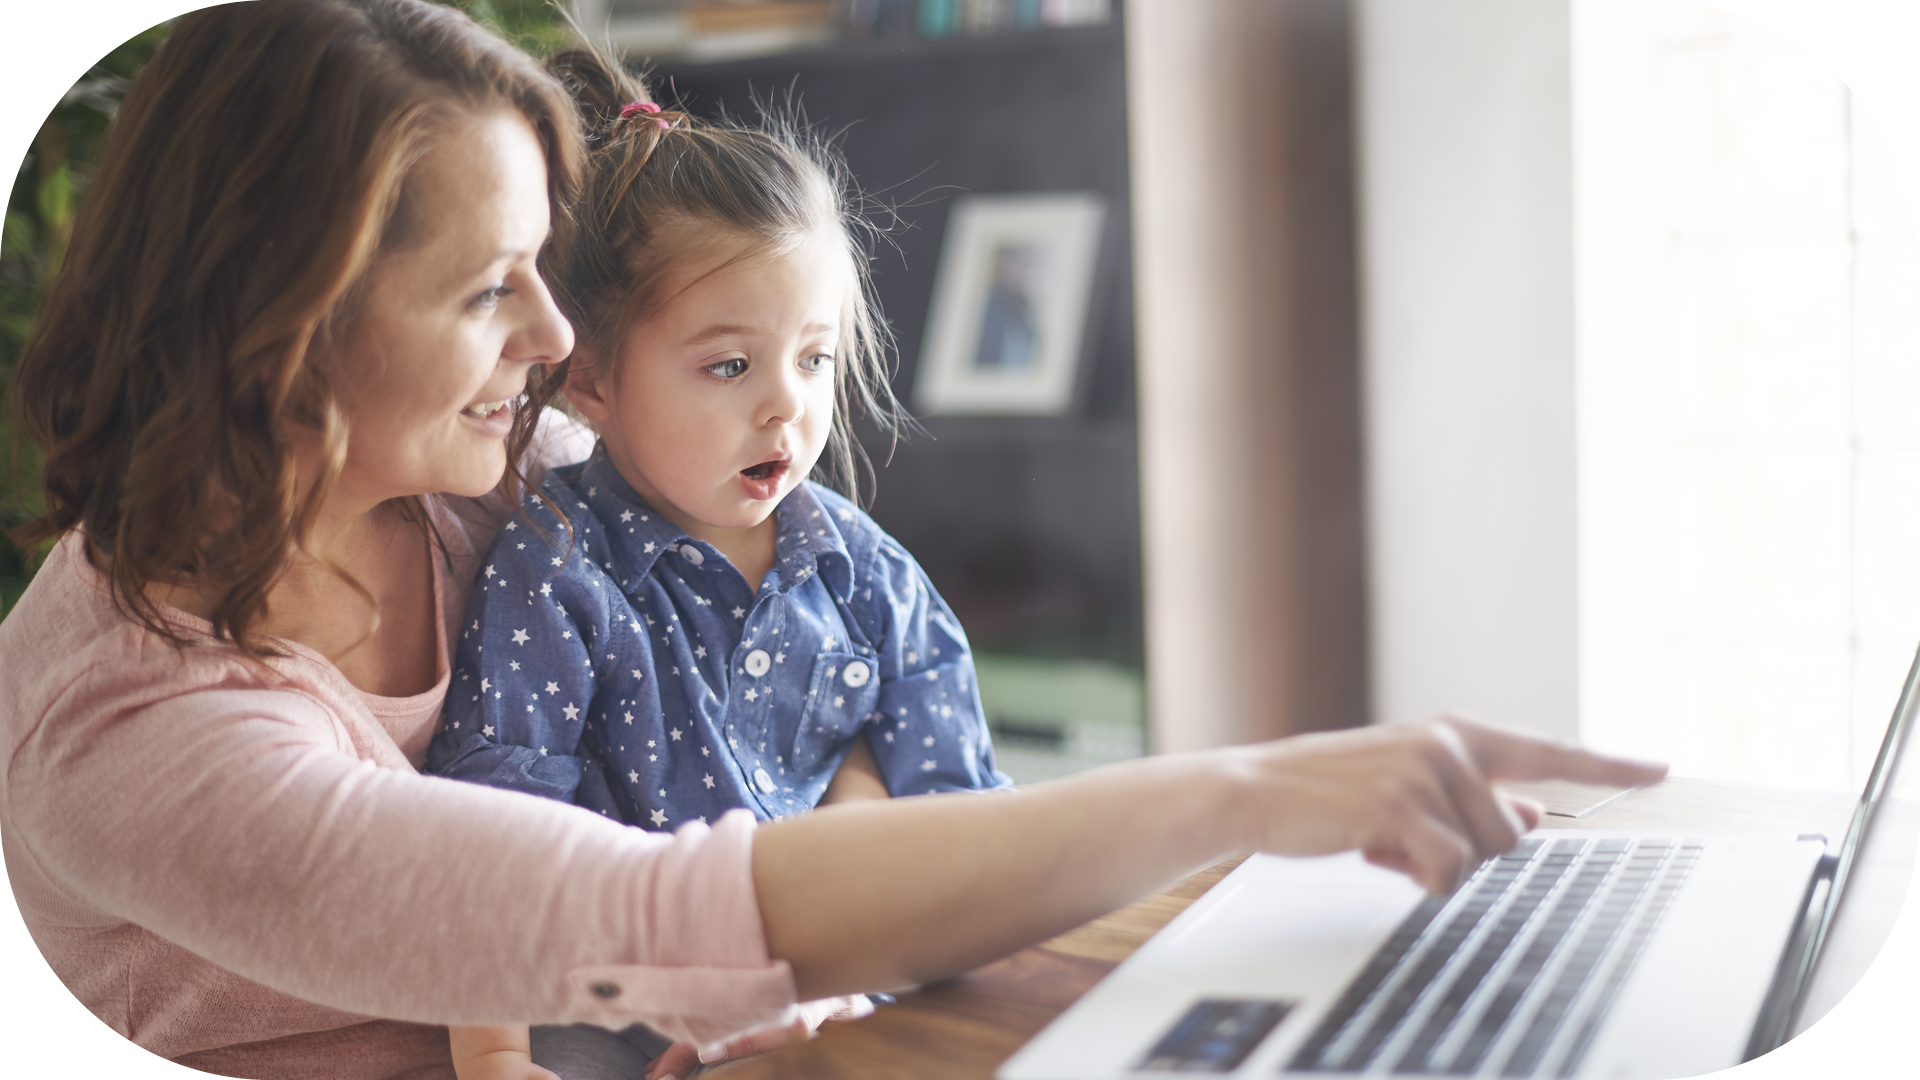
(1748,388)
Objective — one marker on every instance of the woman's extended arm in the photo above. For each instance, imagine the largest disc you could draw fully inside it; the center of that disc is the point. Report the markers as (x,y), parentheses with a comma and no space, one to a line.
(864,897)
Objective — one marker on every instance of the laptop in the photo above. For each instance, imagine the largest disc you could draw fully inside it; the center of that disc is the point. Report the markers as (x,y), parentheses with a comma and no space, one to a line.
(1580,954)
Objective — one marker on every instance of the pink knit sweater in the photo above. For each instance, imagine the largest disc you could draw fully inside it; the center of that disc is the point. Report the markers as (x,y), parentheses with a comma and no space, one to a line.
(241,870)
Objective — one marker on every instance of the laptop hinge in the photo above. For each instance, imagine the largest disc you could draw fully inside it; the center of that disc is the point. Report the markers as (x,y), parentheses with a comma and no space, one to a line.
(1796,963)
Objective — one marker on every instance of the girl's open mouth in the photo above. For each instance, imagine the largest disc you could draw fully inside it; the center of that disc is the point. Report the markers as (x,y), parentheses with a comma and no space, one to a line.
(762,481)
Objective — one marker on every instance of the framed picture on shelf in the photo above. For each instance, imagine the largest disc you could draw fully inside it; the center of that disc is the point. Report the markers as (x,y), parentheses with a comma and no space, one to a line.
(1006,328)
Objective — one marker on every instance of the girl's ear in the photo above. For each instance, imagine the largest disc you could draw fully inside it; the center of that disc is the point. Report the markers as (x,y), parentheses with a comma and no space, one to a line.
(584,389)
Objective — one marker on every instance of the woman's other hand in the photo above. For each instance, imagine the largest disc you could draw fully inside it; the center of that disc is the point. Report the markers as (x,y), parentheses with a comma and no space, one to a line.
(678,1061)
(494,1053)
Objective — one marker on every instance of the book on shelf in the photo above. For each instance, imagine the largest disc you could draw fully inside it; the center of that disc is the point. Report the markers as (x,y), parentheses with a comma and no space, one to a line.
(727,29)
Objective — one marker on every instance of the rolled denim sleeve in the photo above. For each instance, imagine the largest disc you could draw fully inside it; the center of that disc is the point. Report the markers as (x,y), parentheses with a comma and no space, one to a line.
(929,732)
(523,679)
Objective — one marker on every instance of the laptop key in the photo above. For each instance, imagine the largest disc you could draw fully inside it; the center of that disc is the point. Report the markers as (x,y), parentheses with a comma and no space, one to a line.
(1491,948)
(1662,897)
(1573,975)
(1560,918)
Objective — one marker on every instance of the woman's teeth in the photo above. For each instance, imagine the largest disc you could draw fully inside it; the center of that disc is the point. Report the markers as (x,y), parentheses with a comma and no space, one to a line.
(486,410)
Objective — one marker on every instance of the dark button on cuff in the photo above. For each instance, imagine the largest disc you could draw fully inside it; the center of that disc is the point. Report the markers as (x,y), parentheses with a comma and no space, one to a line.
(605,990)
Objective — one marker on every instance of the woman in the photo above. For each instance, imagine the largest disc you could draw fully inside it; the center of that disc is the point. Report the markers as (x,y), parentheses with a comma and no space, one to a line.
(273,382)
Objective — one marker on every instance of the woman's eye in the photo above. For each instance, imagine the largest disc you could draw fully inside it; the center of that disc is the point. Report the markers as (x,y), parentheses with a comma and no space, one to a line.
(813,365)
(728,369)
(491,298)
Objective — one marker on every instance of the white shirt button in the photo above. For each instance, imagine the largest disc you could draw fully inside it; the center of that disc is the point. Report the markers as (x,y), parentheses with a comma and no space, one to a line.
(857,673)
(758,662)
(762,781)
(692,554)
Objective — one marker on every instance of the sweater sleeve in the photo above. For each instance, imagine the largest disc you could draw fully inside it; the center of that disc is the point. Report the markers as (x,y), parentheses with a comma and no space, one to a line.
(237,823)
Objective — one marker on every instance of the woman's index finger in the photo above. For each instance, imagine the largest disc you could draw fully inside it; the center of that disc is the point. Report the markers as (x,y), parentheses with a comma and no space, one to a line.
(1512,755)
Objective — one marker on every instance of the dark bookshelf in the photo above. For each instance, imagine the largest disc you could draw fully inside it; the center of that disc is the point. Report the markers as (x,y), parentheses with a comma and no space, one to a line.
(1028,526)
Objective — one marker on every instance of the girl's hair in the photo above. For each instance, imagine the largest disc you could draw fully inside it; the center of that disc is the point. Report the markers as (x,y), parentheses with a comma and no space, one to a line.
(258,167)
(775,181)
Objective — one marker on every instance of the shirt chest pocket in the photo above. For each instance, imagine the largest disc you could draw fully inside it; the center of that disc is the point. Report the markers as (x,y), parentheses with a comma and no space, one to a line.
(841,694)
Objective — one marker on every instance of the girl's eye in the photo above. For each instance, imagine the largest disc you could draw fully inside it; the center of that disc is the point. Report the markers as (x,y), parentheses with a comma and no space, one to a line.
(813,365)
(491,298)
(728,369)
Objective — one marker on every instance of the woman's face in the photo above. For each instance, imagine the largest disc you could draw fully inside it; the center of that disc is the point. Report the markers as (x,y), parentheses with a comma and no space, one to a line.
(451,322)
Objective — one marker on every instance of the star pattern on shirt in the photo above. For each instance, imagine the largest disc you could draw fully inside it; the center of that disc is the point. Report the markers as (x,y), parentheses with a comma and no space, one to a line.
(802,612)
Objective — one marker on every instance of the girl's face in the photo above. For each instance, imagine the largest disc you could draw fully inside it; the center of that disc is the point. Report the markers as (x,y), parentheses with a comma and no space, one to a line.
(721,401)
(451,323)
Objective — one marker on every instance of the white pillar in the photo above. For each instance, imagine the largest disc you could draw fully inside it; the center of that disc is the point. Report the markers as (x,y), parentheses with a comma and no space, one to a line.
(1467,321)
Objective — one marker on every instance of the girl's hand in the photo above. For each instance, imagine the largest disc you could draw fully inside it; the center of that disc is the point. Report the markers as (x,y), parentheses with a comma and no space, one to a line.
(494,1053)
(679,1060)
(502,1065)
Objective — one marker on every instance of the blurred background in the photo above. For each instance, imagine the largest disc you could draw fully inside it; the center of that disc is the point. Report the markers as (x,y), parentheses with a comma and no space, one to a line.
(1549,359)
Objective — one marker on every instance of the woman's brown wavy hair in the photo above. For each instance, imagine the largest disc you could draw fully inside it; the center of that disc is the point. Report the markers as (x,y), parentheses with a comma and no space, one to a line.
(257,168)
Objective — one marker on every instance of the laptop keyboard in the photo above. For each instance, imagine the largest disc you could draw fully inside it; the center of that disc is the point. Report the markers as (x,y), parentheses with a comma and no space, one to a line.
(1513,973)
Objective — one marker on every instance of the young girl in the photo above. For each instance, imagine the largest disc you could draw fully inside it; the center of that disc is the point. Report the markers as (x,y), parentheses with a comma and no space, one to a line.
(684,624)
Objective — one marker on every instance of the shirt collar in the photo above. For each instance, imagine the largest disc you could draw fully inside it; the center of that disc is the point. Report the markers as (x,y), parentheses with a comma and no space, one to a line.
(806,538)
(636,532)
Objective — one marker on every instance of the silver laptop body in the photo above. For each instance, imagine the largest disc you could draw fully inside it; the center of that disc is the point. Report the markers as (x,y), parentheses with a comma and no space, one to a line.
(1638,956)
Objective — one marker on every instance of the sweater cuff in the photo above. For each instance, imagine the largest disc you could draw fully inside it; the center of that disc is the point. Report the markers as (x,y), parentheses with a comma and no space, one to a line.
(704,1006)
(705,975)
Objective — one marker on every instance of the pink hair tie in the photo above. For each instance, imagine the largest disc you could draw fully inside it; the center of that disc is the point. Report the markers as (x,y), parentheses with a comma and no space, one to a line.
(635,108)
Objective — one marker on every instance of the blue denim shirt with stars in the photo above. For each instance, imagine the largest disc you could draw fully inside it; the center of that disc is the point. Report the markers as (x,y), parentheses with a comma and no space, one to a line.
(632,671)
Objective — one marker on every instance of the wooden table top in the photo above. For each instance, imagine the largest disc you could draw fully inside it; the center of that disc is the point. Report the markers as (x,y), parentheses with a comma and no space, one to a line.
(963,1028)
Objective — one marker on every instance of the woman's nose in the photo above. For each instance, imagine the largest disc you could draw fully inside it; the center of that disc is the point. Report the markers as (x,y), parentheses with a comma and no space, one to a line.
(546,337)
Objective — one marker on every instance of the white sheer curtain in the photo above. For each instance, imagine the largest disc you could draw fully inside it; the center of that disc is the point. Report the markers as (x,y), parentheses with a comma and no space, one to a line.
(1748,398)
